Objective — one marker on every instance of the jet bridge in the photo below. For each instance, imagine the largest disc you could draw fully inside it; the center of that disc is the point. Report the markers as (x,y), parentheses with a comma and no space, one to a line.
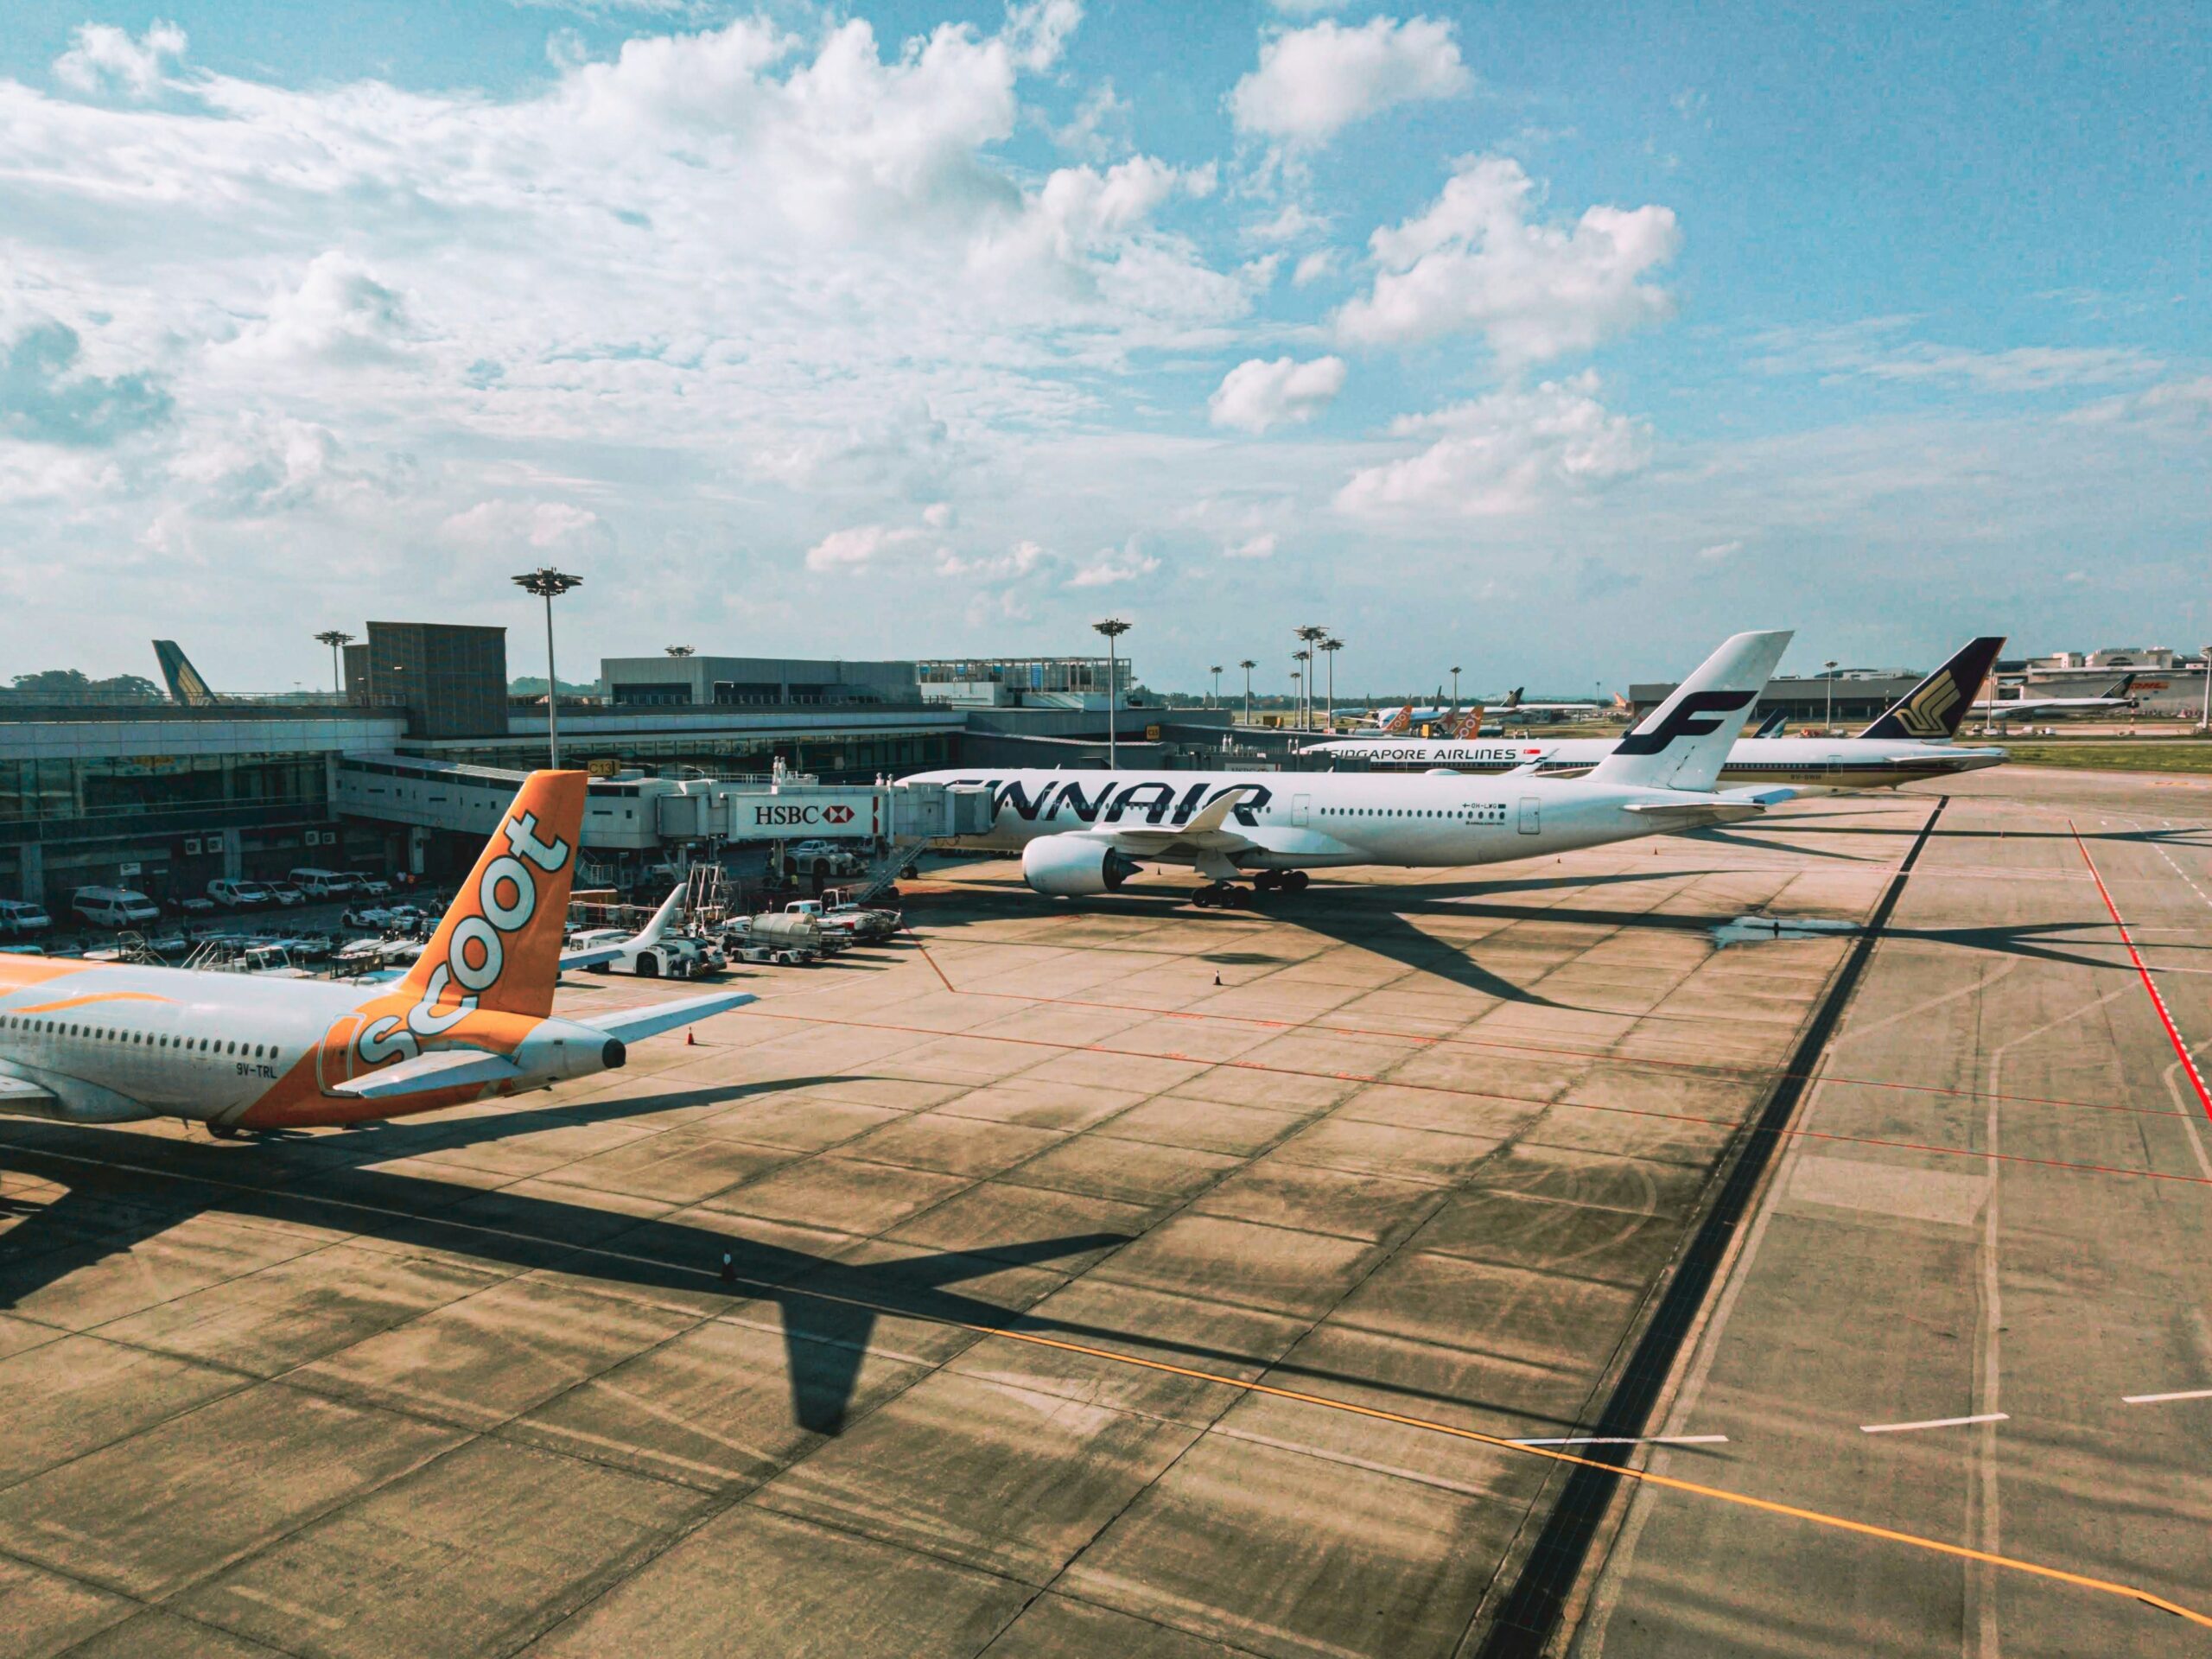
(631,812)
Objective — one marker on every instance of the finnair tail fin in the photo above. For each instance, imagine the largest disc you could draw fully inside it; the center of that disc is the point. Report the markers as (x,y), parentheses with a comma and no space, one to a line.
(499,948)
(1683,743)
(1933,711)
(184,682)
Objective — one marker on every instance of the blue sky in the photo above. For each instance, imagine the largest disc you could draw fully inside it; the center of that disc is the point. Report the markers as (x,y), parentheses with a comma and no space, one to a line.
(1488,335)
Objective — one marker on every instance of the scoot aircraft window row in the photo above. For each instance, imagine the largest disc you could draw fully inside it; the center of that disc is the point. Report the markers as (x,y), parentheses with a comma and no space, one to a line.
(100,1034)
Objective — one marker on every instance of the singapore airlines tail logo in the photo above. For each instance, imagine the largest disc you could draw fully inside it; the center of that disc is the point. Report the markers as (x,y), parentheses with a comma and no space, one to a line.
(1926,713)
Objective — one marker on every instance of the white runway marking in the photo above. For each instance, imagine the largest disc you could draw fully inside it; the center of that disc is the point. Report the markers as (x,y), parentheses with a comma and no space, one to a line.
(1632,1439)
(2160,1399)
(1934,1422)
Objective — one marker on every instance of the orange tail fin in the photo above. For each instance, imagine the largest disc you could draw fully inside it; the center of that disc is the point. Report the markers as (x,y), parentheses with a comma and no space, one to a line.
(499,948)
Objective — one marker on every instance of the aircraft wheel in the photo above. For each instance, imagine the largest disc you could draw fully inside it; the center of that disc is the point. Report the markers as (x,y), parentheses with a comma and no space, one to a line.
(1296,881)
(1234,898)
(1210,897)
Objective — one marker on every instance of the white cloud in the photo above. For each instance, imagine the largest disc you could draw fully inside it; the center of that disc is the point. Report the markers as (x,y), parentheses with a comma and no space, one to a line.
(1257,395)
(1511,452)
(534,527)
(1720,552)
(1314,267)
(101,58)
(1313,82)
(1022,559)
(1293,223)
(849,549)
(1110,566)
(339,314)
(1876,349)
(1261,546)
(1476,262)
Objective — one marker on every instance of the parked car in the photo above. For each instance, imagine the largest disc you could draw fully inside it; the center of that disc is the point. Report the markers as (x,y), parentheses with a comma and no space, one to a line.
(284,894)
(320,883)
(19,917)
(114,906)
(193,904)
(372,886)
(239,895)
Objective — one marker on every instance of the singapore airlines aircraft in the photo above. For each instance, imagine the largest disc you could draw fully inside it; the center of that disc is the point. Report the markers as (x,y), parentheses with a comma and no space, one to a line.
(1081,833)
(2116,695)
(1912,740)
(107,1043)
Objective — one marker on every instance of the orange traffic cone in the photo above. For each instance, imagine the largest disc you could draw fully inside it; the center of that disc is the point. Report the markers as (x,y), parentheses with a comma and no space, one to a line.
(690,1038)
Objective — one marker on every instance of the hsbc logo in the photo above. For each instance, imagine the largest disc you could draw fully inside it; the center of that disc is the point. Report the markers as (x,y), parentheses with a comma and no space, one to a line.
(793,815)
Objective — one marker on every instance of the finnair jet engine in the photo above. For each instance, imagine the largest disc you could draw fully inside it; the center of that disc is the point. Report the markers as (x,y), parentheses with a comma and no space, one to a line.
(1074,867)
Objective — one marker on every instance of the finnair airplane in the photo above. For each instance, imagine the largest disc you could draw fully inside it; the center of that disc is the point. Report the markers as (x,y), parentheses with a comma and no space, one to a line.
(1912,740)
(2115,696)
(109,1043)
(1083,833)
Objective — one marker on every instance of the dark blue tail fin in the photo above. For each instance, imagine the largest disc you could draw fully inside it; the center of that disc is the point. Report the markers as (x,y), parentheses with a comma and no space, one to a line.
(185,683)
(1933,711)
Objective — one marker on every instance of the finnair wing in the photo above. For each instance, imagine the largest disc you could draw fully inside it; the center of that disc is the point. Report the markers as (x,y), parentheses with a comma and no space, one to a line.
(1207,829)
(635,1024)
(446,1068)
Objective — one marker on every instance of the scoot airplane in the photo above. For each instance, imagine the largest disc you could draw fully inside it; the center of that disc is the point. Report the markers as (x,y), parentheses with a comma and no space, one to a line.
(1912,740)
(107,1043)
(1081,833)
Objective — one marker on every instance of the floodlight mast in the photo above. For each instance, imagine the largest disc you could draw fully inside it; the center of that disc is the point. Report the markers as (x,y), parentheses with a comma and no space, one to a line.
(1112,627)
(550,584)
(337,640)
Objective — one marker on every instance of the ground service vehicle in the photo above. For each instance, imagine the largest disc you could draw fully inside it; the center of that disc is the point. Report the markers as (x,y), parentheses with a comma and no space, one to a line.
(115,906)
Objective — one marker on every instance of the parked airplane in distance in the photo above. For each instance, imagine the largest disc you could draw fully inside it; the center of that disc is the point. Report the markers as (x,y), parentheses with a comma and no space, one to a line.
(1083,833)
(2117,696)
(109,1043)
(1911,741)
(185,683)
(1397,722)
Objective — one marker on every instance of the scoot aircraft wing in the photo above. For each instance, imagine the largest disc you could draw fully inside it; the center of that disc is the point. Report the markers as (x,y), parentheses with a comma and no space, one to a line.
(645,935)
(18,1095)
(635,1024)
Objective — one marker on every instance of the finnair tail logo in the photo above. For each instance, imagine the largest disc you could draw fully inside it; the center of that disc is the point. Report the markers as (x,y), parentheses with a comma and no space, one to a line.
(1695,715)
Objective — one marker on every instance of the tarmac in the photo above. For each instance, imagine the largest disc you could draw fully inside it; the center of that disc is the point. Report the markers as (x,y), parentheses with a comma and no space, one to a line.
(1119,1278)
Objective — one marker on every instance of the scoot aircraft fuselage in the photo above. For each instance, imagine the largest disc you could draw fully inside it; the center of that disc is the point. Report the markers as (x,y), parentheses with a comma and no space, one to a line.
(1085,832)
(96,1042)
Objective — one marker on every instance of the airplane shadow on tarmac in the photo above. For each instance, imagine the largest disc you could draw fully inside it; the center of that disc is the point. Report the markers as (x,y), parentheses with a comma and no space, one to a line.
(828,1308)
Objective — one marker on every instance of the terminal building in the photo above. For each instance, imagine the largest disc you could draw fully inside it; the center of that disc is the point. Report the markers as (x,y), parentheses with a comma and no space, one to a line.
(165,796)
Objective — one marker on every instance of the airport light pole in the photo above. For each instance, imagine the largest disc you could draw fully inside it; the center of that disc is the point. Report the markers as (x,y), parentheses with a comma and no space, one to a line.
(1112,627)
(1297,687)
(1216,671)
(1455,687)
(337,640)
(1828,728)
(1248,665)
(550,584)
(1305,661)
(1333,646)
(1310,635)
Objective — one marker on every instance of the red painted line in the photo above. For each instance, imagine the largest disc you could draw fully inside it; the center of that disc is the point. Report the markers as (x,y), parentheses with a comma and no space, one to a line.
(2173,1036)
(932,960)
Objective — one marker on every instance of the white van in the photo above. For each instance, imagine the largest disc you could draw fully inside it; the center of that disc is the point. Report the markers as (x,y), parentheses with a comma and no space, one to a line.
(19,917)
(115,908)
(235,895)
(321,884)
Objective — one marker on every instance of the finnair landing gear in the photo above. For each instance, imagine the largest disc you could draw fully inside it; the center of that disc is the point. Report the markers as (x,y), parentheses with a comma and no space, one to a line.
(1279,880)
(1221,895)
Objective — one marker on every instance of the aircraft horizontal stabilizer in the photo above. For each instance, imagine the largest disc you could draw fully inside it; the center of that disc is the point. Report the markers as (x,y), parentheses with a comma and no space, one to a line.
(445,1068)
(1695,815)
(571,960)
(633,1023)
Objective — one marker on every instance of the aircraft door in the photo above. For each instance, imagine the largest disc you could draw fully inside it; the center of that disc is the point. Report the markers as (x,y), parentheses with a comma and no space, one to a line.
(335,1060)
(1299,806)
(1532,811)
